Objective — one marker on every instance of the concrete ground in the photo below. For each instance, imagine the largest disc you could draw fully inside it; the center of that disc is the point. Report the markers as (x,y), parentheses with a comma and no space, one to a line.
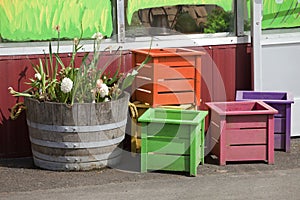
(20,179)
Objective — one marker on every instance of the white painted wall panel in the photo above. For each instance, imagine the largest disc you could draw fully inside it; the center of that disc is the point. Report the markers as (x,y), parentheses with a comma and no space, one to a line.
(281,72)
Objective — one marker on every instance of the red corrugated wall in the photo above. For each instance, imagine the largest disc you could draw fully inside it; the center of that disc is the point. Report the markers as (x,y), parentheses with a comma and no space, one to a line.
(14,71)
(225,68)
(232,61)
(14,141)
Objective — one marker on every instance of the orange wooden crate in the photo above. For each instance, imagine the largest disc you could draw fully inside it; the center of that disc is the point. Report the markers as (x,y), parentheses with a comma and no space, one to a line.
(171,77)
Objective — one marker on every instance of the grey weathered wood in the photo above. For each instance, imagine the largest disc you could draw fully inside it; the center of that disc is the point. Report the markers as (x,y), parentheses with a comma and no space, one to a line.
(78,137)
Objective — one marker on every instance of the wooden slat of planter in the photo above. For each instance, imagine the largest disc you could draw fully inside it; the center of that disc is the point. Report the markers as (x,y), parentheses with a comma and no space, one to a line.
(84,152)
(75,137)
(175,85)
(279,125)
(144,96)
(242,108)
(165,85)
(175,72)
(169,52)
(279,140)
(237,107)
(146,71)
(174,117)
(213,143)
(144,84)
(175,98)
(83,115)
(168,162)
(165,98)
(268,97)
(169,130)
(139,58)
(270,146)
(159,65)
(242,153)
(246,136)
(168,145)
(280,108)
(176,61)
(198,80)
(246,121)
(213,134)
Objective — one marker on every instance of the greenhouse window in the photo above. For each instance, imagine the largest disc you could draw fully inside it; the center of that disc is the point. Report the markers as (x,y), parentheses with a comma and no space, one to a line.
(188,17)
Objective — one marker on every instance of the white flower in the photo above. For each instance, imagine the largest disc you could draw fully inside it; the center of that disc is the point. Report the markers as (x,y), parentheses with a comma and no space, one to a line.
(98,36)
(11,90)
(103,90)
(38,76)
(76,41)
(66,85)
(99,83)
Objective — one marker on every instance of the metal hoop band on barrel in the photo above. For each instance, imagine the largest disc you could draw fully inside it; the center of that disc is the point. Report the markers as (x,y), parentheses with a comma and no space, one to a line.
(72,129)
(77,145)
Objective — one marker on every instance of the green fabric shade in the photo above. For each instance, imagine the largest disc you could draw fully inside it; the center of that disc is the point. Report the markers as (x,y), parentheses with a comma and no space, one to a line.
(23,20)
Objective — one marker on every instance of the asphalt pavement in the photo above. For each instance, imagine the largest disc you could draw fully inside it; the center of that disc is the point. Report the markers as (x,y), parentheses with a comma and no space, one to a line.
(20,179)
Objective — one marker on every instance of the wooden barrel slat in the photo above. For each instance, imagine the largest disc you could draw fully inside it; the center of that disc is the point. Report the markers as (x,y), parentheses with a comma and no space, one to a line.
(77,145)
(89,134)
(65,129)
(58,166)
(76,137)
(78,159)
(71,152)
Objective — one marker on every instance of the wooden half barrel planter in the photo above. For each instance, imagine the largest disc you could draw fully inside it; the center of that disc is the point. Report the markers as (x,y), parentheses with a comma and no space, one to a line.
(241,131)
(172,140)
(83,136)
(281,101)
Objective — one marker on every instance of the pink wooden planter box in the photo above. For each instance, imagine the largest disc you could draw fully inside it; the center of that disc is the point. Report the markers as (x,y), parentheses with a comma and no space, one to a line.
(241,131)
(281,101)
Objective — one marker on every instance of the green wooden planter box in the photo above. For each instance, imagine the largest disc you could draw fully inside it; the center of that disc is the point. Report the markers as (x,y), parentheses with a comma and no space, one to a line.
(172,140)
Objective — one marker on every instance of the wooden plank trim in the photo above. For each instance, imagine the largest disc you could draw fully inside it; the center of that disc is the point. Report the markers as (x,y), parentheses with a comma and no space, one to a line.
(246,153)
(246,136)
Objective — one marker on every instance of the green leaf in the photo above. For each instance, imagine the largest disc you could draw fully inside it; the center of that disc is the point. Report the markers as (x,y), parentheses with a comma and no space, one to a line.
(115,77)
(58,59)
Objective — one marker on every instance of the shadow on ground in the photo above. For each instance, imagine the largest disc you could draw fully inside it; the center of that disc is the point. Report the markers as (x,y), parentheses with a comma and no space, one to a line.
(22,175)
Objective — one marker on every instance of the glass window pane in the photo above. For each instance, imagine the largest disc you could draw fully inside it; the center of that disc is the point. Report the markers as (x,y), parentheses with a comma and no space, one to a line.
(189,17)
